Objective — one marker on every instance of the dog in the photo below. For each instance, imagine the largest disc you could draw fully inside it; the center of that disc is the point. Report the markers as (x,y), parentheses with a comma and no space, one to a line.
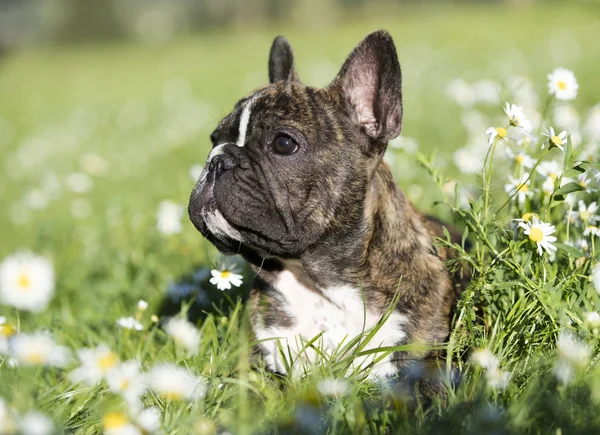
(296,183)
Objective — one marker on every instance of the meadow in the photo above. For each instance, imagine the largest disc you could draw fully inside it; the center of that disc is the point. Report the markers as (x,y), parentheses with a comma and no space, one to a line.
(99,149)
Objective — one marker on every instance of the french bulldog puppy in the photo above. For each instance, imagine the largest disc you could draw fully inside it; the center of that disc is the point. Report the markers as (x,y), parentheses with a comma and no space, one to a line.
(296,183)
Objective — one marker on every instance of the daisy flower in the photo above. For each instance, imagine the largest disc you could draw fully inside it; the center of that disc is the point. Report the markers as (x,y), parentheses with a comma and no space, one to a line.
(520,186)
(184,333)
(495,132)
(176,383)
(540,233)
(6,332)
(26,282)
(95,364)
(169,217)
(566,116)
(117,423)
(585,182)
(127,380)
(571,352)
(225,277)
(555,140)
(586,213)
(520,158)
(333,387)
(527,217)
(549,169)
(130,323)
(497,379)
(516,117)
(596,277)
(591,230)
(592,318)
(485,359)
(142,305)
(149,420)
(38,349)
(36,423)
(548,186)
(562,84)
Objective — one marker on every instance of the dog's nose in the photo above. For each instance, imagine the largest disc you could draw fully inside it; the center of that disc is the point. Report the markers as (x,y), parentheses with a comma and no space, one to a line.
(221,163)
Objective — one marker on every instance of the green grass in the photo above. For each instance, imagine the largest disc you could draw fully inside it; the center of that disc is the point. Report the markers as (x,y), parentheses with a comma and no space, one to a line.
(148,112)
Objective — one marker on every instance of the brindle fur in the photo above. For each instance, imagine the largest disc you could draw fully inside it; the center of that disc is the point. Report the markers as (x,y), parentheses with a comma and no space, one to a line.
(332,212)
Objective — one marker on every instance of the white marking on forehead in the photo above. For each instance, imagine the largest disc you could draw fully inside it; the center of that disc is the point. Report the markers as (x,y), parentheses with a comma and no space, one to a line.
(215,152)
(244,119)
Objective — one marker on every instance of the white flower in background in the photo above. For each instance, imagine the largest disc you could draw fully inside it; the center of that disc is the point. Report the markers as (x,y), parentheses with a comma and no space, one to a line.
(333,387)
(591,230)
(142,305)
(548,186)
(26,281)
(572,353)
(130,323)
(196,171)
(583,245)
(562,84)
(36,423)
(596,277)
(559,141)
(79,182)
(486,91)
(585,182)
(521,158)
(520,187)
(516,116)
(117,423)
(127,380)
(549,169)
(95,364)
(468,160)
(495,132)
(93,164)
(586,212)
(36,199)
(485,359)
(149,420)
(8,419)
(408,144)
(460,92)
(225,277)
(566,116)
(6,332)
(38,349)
(540,233)
(592,125)
(527,217)
(521,137)
(176,383)
(592,318)
(169,217)
(184,334)
(497,379)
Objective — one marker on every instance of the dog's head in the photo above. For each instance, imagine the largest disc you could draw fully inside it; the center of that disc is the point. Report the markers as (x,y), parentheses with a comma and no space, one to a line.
(291,162)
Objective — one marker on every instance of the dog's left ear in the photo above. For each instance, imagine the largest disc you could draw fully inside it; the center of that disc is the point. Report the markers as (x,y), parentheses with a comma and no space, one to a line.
(371,83)
(281,61)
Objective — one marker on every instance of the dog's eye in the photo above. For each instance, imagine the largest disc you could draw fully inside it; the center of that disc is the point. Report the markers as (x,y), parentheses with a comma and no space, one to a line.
(284,145)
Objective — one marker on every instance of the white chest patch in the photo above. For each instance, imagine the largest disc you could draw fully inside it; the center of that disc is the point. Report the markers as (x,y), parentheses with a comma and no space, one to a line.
(335,319)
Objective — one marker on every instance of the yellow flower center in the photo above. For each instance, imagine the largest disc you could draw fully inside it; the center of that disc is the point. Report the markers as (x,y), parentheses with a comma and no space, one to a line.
(528,216)
(583,183)
(553,176)
(501,132)
(556,140)
(114,420)
(225,274)
(523,188)
(24,282)
(7,330)
(519,158)
(515,121)
(592,228)
(561,85)
(34,358)
(536,235)
(107,361)
(172,395)
(124,384)
(584,215)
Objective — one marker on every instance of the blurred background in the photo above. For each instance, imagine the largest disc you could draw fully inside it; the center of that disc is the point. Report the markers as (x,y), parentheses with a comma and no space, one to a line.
(106,108)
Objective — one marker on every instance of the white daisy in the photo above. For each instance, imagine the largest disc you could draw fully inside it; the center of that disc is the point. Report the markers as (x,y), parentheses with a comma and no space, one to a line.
(36,423)
(6,332)
(485,359)
(184,333)
(593,318)
(497,379)
(79,182)
(38,349)
(520,158)
(95,364)
(562,84)
(468,160)
(571,349)
(176,383)
(127,380)
(549,169)
(539,233)
(26,281)
(169,217)
(117,423)
(142,305)
(585,182)
(596,277)
(149,420)
(8,419)
(592,230)
(520,186)
(495,132)
(225,277)
(586,213)
(554,140)
(130,323)
(333,387)
(516,116)
(566,116)
(548,186)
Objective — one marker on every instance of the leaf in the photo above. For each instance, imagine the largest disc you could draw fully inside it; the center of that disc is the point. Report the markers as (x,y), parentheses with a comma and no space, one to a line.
(568,188)
(573,252)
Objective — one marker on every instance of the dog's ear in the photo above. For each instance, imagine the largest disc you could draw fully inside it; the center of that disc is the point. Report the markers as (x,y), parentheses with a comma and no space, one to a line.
(281,61)
(371,83)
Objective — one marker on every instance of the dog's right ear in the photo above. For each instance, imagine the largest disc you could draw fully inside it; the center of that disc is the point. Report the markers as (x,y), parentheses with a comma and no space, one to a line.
(281,62)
